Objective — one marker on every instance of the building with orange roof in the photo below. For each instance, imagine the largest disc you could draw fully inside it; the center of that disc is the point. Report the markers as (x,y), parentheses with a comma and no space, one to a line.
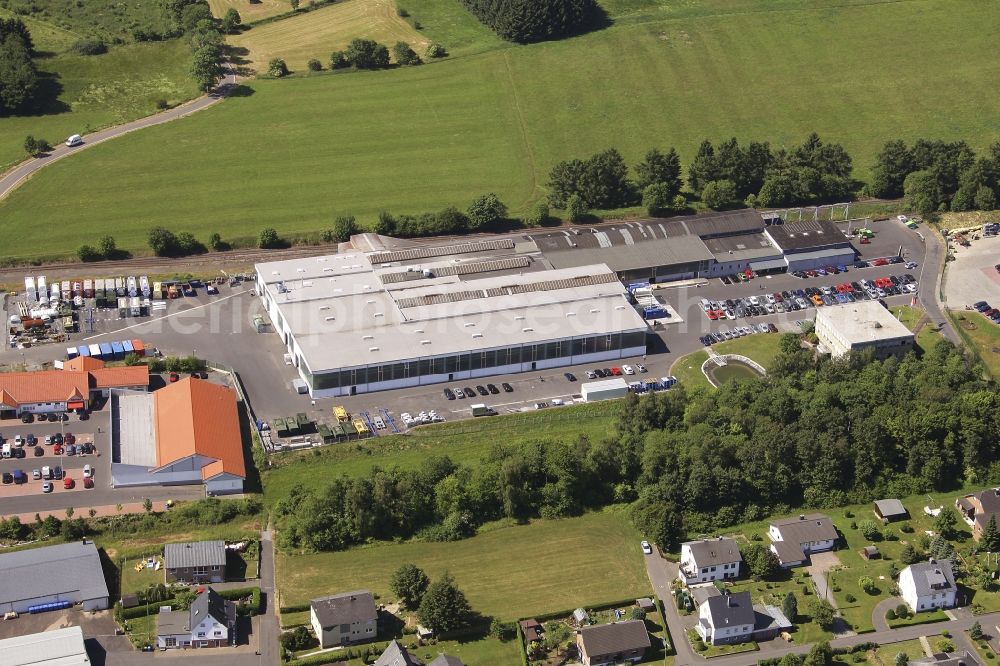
(187,432)
(80,382)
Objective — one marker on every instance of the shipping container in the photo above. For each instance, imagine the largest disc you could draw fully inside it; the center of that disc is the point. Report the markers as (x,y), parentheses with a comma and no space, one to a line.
(43,288)
(71,352)
(117,350)
(139,347)
(29,289)
(131,285)
(88,288)
(95,350)
(84,350)
(65,292)
(158,290)
(55,294)
(106,351)
(127,345)
(77,288)
(144,286)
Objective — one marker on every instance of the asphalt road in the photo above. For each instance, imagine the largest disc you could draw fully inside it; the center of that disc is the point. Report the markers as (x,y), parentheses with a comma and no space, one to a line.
(13,178)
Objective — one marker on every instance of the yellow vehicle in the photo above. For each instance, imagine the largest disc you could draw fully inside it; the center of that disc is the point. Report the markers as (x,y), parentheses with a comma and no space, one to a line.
(341,414)
(158,290)
(360,426)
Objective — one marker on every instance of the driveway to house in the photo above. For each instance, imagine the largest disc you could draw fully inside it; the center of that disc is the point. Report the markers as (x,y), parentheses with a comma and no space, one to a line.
(881,608)
(820,564)
(13,178)
(662,573)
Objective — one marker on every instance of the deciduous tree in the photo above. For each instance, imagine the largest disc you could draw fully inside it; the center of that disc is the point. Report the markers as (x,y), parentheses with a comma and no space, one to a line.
(444,607)
(409,583)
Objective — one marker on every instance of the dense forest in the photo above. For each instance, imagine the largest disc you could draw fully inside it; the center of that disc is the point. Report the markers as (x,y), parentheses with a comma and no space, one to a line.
(533,20)
(813,433)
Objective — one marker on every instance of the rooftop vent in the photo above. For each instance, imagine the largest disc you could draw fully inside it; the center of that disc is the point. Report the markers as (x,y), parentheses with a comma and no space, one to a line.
(527,330)
(425,342)
(331,318)
(519,318)
(373,349)
(477,335)
(368,337)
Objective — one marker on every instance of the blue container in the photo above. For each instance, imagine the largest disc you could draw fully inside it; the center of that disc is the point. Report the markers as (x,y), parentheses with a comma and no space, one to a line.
(84,350)
(127,346)
(117,350)
(51,606)
(106,351)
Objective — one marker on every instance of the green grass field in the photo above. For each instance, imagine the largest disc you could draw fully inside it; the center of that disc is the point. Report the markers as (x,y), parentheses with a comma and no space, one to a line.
(292,154)
(250,12)
(86,93)
(465,442)
(318,33)
(983,335)
(511,572)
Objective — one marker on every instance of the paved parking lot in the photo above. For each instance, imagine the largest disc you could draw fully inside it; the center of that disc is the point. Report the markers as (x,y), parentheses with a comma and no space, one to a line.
(972,276)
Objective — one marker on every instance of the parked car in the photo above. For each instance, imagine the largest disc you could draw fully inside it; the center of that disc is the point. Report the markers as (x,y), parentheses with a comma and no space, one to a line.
(68,483)
(36,474)
(39,451)
(88,483)
(628,369)
(492,389)
(88,471)
(47,487)
(8,477)
(646,548)
(469,393)
(57,472)
(27,418)
(507,387)
(460,392)
(570,377)
(481,390)
(174,377)
(449,394)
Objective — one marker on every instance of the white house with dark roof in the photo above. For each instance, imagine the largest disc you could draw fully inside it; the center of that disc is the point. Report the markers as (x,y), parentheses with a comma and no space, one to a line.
(928,585)
(210,622)
(794,539)
(344,619)
(728,618)
(614,643)
(708,560)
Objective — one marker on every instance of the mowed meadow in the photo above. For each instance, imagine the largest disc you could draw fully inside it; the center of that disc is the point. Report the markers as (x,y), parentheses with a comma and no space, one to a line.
(294,153)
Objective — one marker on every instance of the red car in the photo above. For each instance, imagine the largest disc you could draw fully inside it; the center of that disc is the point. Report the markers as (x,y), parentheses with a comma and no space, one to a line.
(880,262)
(88,482)
(712,314)
(68,483)
(616,372)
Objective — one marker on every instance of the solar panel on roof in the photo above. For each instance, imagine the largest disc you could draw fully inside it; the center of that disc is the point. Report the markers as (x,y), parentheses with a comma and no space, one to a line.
(439,251)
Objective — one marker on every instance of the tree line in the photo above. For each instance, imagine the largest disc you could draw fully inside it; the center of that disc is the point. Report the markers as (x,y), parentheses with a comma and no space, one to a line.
(18,74)
(813,433)
(526,21)
(935,175)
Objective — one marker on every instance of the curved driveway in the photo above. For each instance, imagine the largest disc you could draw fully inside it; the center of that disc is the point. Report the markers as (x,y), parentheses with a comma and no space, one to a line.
(13,178)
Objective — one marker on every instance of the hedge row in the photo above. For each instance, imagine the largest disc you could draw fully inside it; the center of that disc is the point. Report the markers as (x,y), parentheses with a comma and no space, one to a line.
(293,609)
(253,607)
(605,605)
(142,611)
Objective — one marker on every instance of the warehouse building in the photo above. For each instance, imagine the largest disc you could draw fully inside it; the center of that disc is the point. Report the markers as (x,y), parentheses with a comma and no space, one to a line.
(62,575)
(72,388)
(185,433)
(809,245)
(361,322)
(57,647)
(861,326)
(606,389)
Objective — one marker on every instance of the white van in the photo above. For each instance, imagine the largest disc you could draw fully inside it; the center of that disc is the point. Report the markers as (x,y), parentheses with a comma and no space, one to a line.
(46,472)
(75,140)
(5,452)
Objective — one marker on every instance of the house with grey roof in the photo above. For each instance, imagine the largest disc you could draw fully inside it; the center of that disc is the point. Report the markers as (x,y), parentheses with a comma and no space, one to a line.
(976,509)
(196,562)
(794,539)
(397,655)
(725,619)
(928,585)
(614,643)
(889,510)
(709,560)
(68,572)
(955,659)
(210,622)
(344,619)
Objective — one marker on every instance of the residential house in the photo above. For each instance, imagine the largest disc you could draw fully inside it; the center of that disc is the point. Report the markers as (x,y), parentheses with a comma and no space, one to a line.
(890,510)
(977,509)
(956,659)
(344,619)
(928,585)
(614,643)
(728,618)
(794,539)
(210,622)
(709,560)
(196,562)
(396,655)
(446,660)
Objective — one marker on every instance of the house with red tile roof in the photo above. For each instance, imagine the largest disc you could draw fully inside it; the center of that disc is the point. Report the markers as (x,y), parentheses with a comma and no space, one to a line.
(72,388)
(187,432)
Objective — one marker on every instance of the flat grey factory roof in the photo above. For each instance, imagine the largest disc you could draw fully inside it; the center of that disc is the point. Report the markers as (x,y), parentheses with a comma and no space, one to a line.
(56,647)
(741,247)
(643,254)
(864,321)
(195,554)
(806,235)
(60,569)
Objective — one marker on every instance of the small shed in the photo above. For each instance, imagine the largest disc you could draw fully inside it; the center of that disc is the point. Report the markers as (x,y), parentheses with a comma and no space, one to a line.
(532,630)
(870,553)
(646,604)
(424,633)
(580,617)
(890,510)
(130,600)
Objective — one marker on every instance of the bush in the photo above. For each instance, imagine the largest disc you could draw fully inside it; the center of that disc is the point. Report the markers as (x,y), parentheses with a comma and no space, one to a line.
(525,21)
(486,211)
(902,611)
(89,46)
(435,50)
(277,68)
(944,645)
(890,615)
(867,584)
(338,60)
(314,65)
(298,639)
(36,147)
(576,208)
(268,239)
(870,530)
(405,55)
(88,253)
(367,54)
(850,598)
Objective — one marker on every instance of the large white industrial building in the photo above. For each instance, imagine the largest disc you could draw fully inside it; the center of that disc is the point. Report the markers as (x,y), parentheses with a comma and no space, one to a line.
(358,322)
(860,326)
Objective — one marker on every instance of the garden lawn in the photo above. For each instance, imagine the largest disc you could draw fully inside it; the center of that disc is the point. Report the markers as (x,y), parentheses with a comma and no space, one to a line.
(419,139)
(984,337)
(762,347)
(142,630)
(687,369)
(909,317)
(510,572)
(912,649)
(86,93)
(465,442)
(773,593)
(920,618)
(318,33)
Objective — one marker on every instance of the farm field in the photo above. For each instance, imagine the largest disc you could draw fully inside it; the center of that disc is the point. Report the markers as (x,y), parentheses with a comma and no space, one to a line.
(318,33)
(85,93)
(420,139)
(560,564)
(464,442)
(250,12)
